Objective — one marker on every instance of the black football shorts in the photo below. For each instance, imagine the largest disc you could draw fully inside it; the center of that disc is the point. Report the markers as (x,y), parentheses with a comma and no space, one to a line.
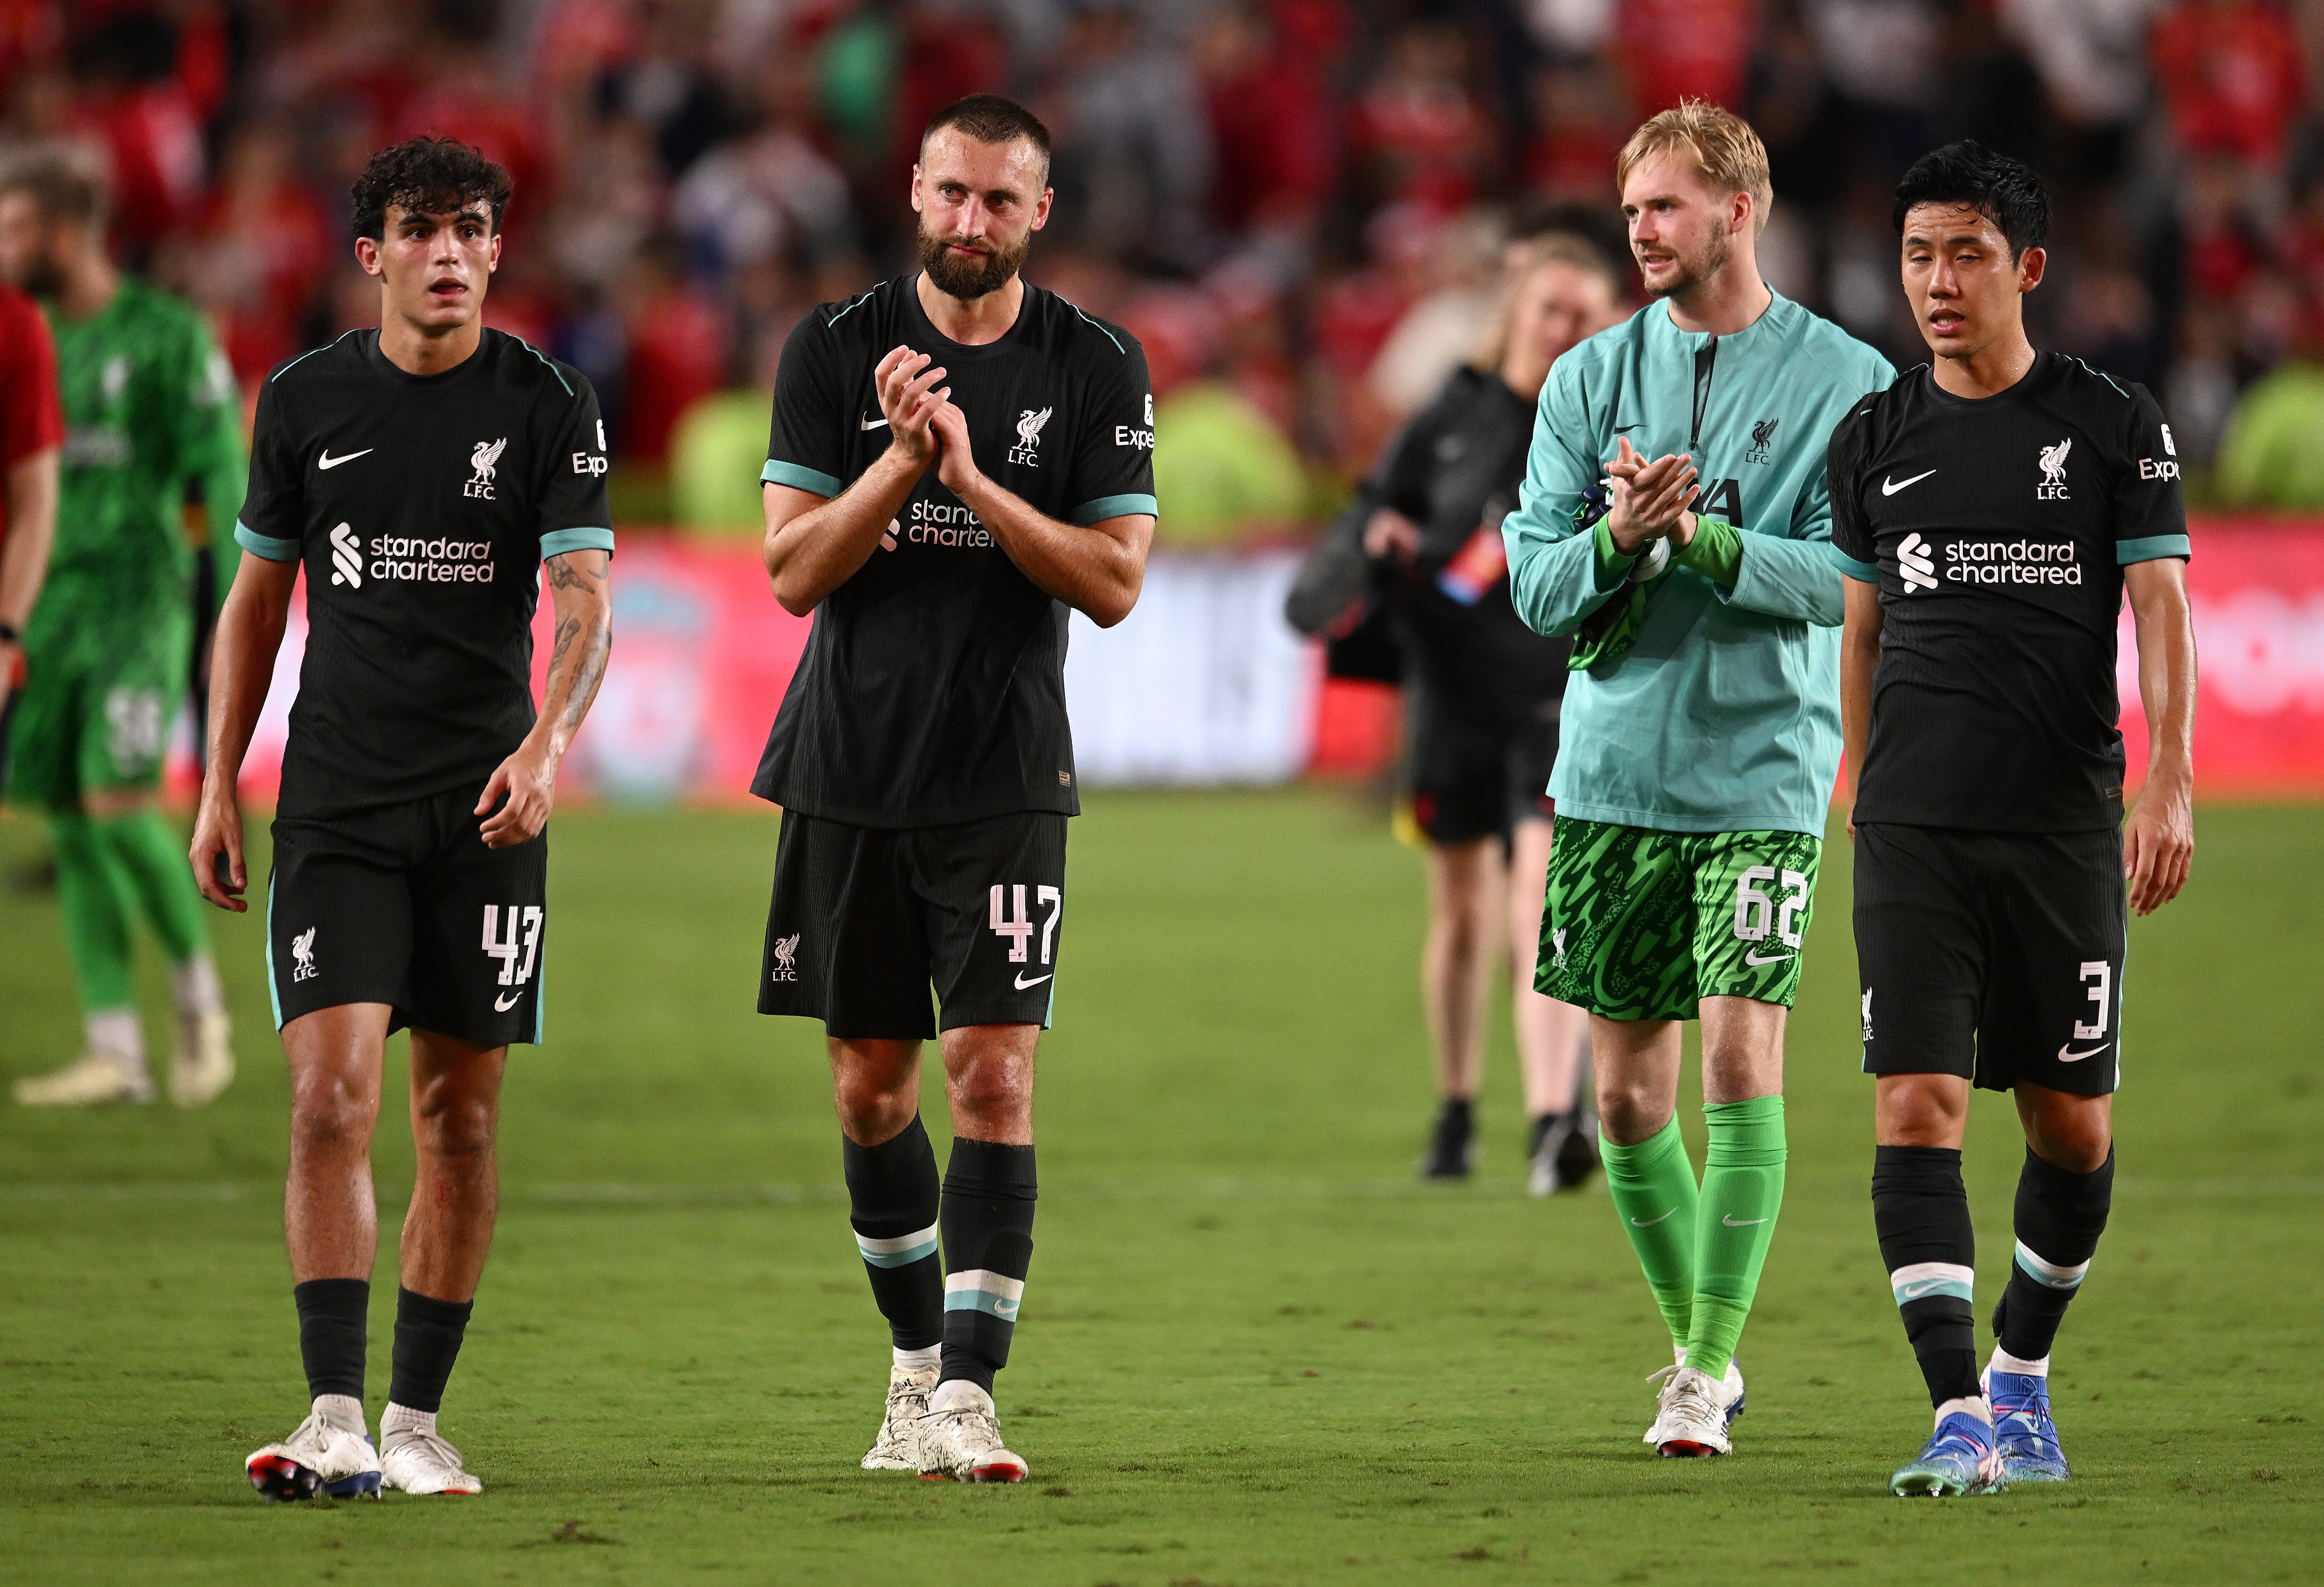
(1468,782)
(404,905)
(865,919)
(1994,956)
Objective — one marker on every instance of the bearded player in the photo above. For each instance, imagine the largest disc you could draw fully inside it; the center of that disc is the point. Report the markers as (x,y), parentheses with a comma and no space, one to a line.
(429,476)
(1989,511)
(1672,521)
(152,420)
(957,460)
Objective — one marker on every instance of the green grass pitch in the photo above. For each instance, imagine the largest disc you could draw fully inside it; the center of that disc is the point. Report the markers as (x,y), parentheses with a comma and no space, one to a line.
(1254,1349)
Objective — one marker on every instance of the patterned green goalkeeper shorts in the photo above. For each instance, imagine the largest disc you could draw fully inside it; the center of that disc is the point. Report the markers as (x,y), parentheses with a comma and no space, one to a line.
(1643,924)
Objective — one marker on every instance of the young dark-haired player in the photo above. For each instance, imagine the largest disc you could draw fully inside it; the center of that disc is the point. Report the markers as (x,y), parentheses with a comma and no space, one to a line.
(426,475)
(1988,511)
(956,458)
(152,421)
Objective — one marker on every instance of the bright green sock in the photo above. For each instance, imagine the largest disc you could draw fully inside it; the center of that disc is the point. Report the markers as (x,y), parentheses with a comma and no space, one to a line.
(95,898)
(1653,1185)
(153,861)
(1742,1192)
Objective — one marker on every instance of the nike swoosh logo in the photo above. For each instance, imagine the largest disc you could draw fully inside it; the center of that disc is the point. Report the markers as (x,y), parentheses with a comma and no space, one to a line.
(1915,1291)
(502,1005)
(1627,429)
(2070,1058)
(1649,1222)
(1732,1221)
(327,461)
(872,424)
(1023,984)
(1756,960)
(1889,487)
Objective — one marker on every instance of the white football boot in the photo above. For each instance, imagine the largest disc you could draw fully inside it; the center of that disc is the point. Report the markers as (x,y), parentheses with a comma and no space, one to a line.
(959,1439)
(94,1078)
(1695,1410)
(417,1462)
(898,1448)
(202,1064)
(1734,1385)
(322,1458)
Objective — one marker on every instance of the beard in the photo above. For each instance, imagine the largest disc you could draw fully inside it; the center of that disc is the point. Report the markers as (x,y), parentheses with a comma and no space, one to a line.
(42,277)
(1694,268)
(969,279)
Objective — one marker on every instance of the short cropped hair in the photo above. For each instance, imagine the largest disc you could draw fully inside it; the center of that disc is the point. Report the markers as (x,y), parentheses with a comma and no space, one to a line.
(427,175)
(2007,192)
(1721,144)
(992,118)
(66,184)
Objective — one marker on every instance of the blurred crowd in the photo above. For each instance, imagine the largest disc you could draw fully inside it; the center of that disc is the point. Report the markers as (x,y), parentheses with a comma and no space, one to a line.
(1299,206)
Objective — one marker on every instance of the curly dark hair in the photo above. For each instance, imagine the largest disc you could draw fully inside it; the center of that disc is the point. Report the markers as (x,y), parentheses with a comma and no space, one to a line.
(427,175)
(2007,192)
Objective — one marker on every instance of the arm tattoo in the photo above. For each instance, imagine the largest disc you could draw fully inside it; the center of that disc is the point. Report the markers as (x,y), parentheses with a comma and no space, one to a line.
(591,671)
(570,573)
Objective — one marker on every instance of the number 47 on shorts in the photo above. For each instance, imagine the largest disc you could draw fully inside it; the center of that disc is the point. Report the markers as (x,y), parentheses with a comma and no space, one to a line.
(1010,920)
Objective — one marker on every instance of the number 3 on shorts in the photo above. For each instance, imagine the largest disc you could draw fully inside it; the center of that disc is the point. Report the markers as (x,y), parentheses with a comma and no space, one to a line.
(1755,912)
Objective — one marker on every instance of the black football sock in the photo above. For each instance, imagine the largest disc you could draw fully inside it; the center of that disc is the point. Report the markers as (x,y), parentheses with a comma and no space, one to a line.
(989,1192)
(2060,1216)
(891,1191)
(428,1334)
(1543,1123)
(333,1318)
(1920,1208)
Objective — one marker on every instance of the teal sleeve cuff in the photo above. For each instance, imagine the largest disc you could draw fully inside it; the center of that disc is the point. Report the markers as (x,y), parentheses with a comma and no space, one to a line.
(1610,567)
(558,541)
(1862,572)
(1716,551)
(264,545)
(1105,507)
(800,478)
(2126,552)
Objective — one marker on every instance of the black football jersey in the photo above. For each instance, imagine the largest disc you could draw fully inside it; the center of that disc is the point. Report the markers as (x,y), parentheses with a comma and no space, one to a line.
(933,689)
(1454,470)
(422,507)
(1997,530)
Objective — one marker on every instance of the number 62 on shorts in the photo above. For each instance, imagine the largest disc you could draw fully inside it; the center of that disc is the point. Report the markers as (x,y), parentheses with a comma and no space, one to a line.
(1642,924)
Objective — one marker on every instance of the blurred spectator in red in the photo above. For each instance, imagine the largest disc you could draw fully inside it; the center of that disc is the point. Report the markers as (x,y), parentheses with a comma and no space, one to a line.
(950,51)
(1420,131)
(1275,131)
(130,100)
(1687,49)
(678,347)
(1582,122)
(2232,74)
(2222,251)
(257,250)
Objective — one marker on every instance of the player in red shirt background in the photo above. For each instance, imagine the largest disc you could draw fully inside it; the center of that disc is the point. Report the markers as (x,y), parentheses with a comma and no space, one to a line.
(32,432)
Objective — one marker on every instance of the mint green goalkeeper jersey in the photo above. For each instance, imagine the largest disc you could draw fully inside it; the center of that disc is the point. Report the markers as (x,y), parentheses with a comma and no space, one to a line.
(1722,714)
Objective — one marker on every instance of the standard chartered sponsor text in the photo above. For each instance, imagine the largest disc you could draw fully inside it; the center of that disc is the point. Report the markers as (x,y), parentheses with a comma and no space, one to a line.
(435,561)
(2012,562)
(945,524)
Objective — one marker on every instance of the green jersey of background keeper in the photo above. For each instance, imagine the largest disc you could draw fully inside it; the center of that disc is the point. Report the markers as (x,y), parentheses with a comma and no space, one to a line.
(1670,520)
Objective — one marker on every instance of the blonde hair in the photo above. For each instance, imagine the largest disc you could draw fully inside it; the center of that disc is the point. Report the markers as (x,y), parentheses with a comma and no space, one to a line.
(1721,144)
(1522,260)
